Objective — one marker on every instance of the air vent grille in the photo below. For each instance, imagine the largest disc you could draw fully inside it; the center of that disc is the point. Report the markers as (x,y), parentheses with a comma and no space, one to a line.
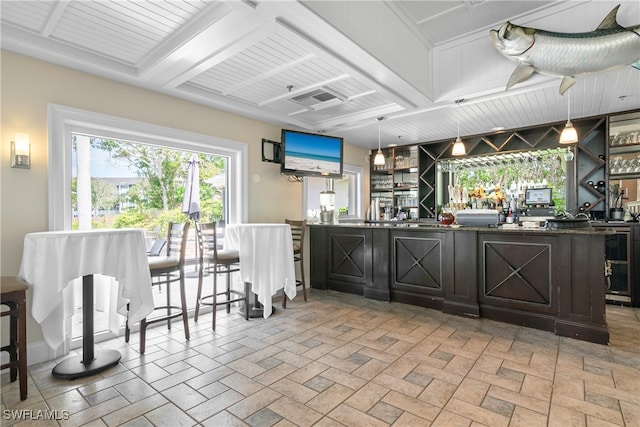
(317,97)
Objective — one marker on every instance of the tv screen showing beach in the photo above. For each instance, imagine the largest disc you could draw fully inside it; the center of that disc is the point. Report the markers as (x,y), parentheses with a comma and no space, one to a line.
(311,154)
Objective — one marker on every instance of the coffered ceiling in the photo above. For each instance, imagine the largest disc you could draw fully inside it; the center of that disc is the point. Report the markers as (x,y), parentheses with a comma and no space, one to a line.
(329,66)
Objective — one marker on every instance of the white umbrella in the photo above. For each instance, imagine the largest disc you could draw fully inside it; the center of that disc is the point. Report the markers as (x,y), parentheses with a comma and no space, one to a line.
(191,200)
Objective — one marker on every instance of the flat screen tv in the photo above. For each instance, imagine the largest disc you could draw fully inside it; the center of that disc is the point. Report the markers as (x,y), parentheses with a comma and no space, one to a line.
(538,196)
(309,154)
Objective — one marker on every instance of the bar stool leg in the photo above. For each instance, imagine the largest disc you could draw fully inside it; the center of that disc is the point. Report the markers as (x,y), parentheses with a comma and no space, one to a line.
(228,294)
(185,317)
(199,294)
(13,339)
(22,346)
(215,298)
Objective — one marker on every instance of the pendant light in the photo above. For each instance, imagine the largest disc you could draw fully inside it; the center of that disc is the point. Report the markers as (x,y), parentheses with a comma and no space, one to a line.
(458,146)
(379,159)
(569,134)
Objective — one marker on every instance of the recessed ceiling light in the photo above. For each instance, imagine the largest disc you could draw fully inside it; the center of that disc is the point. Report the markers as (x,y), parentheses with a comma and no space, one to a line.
(497,128)
(392,145)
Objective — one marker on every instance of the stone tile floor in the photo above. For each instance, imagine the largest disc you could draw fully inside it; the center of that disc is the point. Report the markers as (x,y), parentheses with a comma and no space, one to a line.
(342,360)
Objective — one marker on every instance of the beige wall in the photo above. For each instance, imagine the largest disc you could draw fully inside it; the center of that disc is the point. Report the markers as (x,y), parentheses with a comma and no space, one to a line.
(28,85)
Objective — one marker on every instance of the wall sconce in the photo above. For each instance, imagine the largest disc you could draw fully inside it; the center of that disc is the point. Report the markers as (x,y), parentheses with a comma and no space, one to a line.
(21,151)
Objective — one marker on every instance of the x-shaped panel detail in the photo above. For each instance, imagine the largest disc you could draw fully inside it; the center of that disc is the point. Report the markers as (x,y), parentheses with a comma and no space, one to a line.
(347,255)
(518,271)
(418,262)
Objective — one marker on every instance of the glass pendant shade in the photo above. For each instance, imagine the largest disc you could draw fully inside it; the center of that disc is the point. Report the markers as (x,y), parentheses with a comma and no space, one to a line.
(569,134)
(379,159)
(458,148)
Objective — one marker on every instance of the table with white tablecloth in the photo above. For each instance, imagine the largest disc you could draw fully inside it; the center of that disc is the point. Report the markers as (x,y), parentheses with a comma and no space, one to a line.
(52,260)
(266,259)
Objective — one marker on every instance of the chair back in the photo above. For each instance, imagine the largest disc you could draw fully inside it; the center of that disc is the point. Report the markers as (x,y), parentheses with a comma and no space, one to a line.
(177,240)
(207,240)
(297,233)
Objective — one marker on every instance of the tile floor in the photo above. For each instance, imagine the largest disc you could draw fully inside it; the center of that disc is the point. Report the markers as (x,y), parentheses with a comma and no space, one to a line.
(342,360)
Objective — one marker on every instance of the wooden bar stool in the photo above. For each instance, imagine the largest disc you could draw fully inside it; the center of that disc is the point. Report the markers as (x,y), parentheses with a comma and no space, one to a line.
(217,261)
(297,235)
(14,297)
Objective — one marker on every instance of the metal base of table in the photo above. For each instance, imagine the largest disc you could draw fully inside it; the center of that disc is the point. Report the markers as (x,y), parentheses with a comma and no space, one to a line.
(91,361)
(75,367)
(256,309)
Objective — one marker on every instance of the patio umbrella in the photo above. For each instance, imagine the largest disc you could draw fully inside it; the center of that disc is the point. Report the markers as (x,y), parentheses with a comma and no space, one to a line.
(191,200)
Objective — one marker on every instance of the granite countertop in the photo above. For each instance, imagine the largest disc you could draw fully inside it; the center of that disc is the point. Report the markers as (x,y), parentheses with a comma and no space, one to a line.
(434,226)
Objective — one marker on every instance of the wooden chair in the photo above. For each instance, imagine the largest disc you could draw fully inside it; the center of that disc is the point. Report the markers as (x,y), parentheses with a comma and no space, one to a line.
(297,234)
(14,297)
(214,261)
(168,269)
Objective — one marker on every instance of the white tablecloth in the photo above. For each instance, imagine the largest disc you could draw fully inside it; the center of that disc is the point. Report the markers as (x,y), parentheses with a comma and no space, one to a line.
(51,260)
(266,259)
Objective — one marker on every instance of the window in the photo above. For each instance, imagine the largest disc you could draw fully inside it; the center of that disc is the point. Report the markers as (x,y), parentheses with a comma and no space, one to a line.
(348,193)
(65,122)
(139,185)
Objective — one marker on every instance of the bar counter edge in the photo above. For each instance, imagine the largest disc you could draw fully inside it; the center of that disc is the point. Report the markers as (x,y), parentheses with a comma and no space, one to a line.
(545,279)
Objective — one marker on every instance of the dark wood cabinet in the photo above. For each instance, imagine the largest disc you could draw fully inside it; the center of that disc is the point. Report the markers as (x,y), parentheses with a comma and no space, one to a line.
(350,259)
(551,280)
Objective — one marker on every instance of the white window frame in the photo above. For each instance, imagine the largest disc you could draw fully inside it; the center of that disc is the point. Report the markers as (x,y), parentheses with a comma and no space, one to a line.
(63,121)
(355,192)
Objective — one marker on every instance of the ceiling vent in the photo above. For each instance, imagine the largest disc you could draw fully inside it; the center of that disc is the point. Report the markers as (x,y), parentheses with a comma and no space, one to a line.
(318,99)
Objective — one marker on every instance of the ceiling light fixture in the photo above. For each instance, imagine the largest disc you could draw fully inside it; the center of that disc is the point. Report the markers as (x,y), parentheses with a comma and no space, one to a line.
(379,159)
(569,134)
(458,146)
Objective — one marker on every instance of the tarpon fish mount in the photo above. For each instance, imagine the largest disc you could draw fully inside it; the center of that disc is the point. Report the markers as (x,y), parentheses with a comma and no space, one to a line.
(568,55)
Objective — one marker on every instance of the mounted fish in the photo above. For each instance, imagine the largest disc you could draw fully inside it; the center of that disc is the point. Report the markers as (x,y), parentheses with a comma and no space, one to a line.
(568,55)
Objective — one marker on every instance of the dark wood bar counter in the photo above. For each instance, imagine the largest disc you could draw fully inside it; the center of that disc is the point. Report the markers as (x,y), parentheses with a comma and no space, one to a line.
(545,279)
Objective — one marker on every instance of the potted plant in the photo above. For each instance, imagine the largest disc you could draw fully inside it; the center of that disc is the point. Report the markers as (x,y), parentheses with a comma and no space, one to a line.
(615,202)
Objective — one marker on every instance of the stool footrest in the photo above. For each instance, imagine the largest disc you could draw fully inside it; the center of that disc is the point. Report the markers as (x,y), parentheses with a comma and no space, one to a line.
(241,297)
(165,317)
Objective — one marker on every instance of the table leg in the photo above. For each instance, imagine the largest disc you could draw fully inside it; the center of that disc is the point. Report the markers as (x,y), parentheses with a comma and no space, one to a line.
(256,309)
(91,362)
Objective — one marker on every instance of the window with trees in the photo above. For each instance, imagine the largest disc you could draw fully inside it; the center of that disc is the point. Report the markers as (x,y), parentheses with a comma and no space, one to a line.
(142,186)
(120,138)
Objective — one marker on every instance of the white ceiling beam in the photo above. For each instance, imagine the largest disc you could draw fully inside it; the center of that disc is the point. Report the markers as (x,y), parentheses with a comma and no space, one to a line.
(54,18)
(269,74)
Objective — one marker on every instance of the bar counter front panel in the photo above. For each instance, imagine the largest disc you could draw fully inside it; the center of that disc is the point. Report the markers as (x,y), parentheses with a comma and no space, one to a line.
(545,279)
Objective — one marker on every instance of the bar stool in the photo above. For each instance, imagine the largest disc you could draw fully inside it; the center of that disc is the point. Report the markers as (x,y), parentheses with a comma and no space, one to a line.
(167,269)
(297,235)
(218,261)
(14,296)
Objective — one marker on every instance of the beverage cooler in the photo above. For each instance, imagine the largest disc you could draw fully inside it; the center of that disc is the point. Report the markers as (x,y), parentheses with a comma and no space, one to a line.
(623,257)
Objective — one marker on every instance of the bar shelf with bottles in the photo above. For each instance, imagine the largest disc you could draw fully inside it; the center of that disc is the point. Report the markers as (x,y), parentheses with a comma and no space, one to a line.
(394,185)
(624,146)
